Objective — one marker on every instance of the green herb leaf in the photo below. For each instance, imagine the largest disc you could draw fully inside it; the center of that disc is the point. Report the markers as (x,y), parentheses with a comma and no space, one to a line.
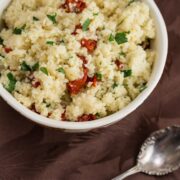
(127,73)
(52,18)
(2,56)
(143,87)
(99,76)
(86,24)
(35,67)
(130,2)
(50,43)
(25,66)
(12,82)
(122,54)
(35,18)
(61,70)
(44,70)
(114,85)
(95,14)
(18,31)
(1,41)
(121,38)
(111,38)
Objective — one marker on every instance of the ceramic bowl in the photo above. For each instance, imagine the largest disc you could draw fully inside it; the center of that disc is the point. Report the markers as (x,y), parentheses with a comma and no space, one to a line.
(161,47)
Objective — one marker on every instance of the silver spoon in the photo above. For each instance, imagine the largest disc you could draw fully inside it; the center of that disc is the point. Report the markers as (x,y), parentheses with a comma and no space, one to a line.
(159,155)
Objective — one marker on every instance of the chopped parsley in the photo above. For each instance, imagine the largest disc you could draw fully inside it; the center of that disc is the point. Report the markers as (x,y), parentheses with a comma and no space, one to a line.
(130,2)
(50,43)
(35,67)
(142,87)
(1,41)
(121,38)
(25,66)
(44,70)
(114,85)
(61,70)
(86,24)
(12,82)
(127,73)
(35,18)
(18,31)
(122,54)
(95,14)
(111,38)
(52,18)
(2,56)
(99,76)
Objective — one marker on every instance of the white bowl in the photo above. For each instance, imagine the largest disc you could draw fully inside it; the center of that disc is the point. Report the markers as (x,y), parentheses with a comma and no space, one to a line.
(161,47)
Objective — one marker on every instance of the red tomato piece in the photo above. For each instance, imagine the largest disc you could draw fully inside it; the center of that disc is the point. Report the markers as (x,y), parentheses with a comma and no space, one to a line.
(74,87)
(119,64)
(83,58)
(86,117)
(79,26)
(36,84)
(76,6)
(93,80)
(7,50)
(89,44)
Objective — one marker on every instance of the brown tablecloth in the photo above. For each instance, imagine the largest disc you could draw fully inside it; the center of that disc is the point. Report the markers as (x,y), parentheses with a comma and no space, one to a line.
(28,151)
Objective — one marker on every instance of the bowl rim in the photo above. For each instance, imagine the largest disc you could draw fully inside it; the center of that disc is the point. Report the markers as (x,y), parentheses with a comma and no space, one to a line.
(111,119)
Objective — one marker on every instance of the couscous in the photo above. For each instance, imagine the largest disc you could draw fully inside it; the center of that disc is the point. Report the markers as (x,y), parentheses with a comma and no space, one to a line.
(76,60)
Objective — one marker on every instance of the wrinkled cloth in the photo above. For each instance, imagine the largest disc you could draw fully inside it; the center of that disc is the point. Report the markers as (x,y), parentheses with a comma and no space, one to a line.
(29,151)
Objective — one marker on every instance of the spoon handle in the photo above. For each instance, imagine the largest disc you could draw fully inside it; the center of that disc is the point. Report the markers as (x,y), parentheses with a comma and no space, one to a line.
(130,172)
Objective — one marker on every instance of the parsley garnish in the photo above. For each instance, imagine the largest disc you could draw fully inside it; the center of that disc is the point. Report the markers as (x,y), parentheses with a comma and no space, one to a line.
(130,2)
(50,43)
(99,76)
(18,31)
(1,41)
(86,24)
(111,38)
(44,70)
(114,85)
(95,14)
(25,66)
(12,82)
(127,73)
(35,18)
(35,67)
(52,18)
(2,56)
(121,38)
(143,87)
(122,54)
(61,70)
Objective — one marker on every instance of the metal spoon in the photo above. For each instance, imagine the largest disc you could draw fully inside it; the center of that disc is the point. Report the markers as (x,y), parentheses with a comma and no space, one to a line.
(159,155)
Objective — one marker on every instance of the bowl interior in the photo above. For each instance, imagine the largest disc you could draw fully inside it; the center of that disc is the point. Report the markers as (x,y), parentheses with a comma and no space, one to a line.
(160,44)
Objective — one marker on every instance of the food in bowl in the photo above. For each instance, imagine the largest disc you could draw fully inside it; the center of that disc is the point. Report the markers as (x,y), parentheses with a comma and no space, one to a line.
(76,60)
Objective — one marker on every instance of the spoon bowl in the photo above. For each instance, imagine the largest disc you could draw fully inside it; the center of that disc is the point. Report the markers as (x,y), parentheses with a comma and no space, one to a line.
(159,155)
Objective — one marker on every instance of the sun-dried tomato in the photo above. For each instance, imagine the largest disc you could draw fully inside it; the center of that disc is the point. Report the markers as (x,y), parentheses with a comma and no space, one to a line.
(93,80)
(33,108)
(63,116)
(36,84)
(119,64)
(83,58)
(79,26)
(74,87)
(89,44)
(86,117)
(7,50)
(76,6)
